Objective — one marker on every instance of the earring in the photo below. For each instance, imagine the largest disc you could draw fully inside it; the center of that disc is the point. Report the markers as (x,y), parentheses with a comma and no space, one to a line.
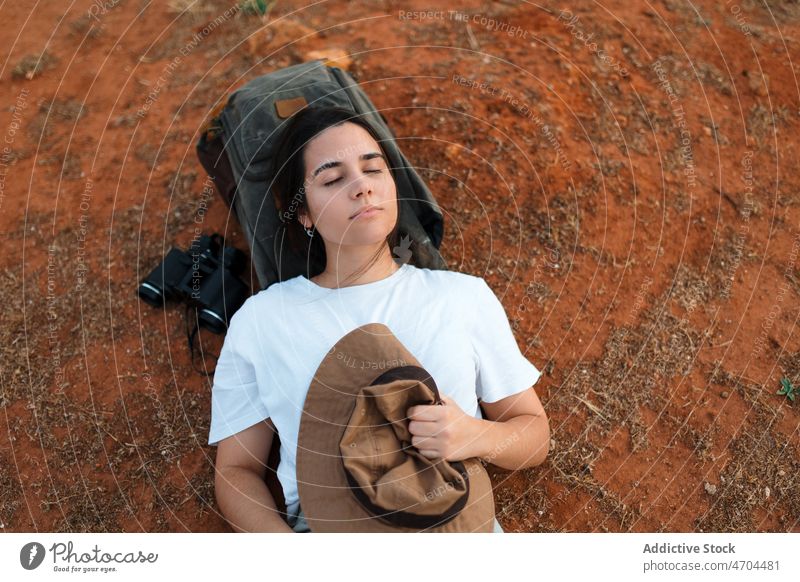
(309,232)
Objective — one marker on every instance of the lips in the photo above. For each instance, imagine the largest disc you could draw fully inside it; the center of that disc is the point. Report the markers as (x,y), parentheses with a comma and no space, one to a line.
(364,209)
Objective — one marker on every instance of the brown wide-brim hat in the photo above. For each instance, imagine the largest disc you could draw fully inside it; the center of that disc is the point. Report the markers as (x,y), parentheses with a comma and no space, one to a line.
(356,468)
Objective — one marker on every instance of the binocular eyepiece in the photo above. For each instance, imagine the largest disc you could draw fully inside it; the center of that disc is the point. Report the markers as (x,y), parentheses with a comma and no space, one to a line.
(205,277)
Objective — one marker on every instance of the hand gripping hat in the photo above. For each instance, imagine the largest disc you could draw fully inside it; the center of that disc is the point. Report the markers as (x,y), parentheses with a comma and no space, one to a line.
(356,468)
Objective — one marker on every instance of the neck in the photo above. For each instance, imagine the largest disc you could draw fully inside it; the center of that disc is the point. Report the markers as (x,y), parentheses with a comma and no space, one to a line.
(343,262)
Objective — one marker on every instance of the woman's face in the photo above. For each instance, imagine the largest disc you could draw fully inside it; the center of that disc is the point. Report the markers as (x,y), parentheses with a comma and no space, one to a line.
(345,172)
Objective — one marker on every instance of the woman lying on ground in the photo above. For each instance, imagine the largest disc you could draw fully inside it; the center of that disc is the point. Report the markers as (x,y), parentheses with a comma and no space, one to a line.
(340,198)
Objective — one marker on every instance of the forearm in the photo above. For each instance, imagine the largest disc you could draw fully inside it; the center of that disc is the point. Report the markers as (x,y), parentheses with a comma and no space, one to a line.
(517,443)
(246,502)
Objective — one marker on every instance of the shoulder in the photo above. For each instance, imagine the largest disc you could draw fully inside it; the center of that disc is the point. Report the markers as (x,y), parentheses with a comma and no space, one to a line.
(446,277)
(268,298)
(455,279)
(253,308)
(462,288)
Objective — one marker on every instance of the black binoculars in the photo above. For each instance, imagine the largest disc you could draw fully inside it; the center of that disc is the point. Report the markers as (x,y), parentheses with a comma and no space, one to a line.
(205,277)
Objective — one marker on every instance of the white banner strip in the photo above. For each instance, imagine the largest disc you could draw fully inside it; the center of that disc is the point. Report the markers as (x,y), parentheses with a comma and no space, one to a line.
(388,557)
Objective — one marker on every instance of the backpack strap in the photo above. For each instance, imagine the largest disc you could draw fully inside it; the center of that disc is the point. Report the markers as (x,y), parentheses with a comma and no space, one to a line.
(190,335)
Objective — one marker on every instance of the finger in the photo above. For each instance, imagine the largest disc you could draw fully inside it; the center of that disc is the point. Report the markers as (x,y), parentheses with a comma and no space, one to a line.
(450,402)
(429,454)
(422,428)
(423,412)
(418,441)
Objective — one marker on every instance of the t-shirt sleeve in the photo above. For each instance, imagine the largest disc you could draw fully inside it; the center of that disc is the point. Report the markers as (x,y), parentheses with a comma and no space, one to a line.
(235,400)
(501,369)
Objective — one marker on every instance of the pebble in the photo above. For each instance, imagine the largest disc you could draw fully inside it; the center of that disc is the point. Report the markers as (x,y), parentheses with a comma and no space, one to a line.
(453,151)
(336,57)
(725,394)
(710,489)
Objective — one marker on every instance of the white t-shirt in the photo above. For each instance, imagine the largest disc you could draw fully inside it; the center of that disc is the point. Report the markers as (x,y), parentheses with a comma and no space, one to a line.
(451,322)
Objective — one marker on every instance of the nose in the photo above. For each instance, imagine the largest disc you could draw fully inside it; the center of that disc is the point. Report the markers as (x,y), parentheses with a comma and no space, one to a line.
(359,186)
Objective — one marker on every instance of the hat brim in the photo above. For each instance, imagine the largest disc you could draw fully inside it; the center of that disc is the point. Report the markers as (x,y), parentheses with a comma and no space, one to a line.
(325,496)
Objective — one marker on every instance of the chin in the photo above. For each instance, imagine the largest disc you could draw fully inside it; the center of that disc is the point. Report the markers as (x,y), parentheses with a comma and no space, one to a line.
(369,233)
(366,240)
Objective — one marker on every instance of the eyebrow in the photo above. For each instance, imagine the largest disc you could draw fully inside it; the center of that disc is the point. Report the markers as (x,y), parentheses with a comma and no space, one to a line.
(334,164)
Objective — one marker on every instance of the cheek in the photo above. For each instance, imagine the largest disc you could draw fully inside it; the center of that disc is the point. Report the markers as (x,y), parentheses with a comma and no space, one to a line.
(321,203)
(394,204)
(331,211)
(389,198)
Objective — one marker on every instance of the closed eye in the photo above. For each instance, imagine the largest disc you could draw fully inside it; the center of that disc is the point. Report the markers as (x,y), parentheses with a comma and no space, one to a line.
(339,178)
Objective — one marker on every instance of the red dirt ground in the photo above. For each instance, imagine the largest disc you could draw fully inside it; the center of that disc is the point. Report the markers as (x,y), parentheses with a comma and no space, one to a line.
(656,286)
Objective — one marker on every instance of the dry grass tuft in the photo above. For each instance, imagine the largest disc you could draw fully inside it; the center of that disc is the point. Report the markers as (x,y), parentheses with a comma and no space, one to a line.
(763,471)
(636,366)
(31,66)
(94,456)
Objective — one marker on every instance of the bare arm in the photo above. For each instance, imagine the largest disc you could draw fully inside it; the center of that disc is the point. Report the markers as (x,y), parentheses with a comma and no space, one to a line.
(241,491)
(516,432)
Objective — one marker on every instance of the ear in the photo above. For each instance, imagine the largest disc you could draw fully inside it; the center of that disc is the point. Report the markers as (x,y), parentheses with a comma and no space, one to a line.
(304,219)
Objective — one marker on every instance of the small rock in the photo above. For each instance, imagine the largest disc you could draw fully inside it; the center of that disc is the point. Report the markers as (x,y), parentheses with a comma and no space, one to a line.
(781,473)
(333,57)
(766,492)
(725,394)
(452,151)
(710,489)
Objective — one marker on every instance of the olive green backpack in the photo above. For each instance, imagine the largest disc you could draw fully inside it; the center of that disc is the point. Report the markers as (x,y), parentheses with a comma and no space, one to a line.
(237,148)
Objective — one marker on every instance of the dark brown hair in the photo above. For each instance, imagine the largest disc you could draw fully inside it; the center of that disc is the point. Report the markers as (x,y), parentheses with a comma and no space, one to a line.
(288,184)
